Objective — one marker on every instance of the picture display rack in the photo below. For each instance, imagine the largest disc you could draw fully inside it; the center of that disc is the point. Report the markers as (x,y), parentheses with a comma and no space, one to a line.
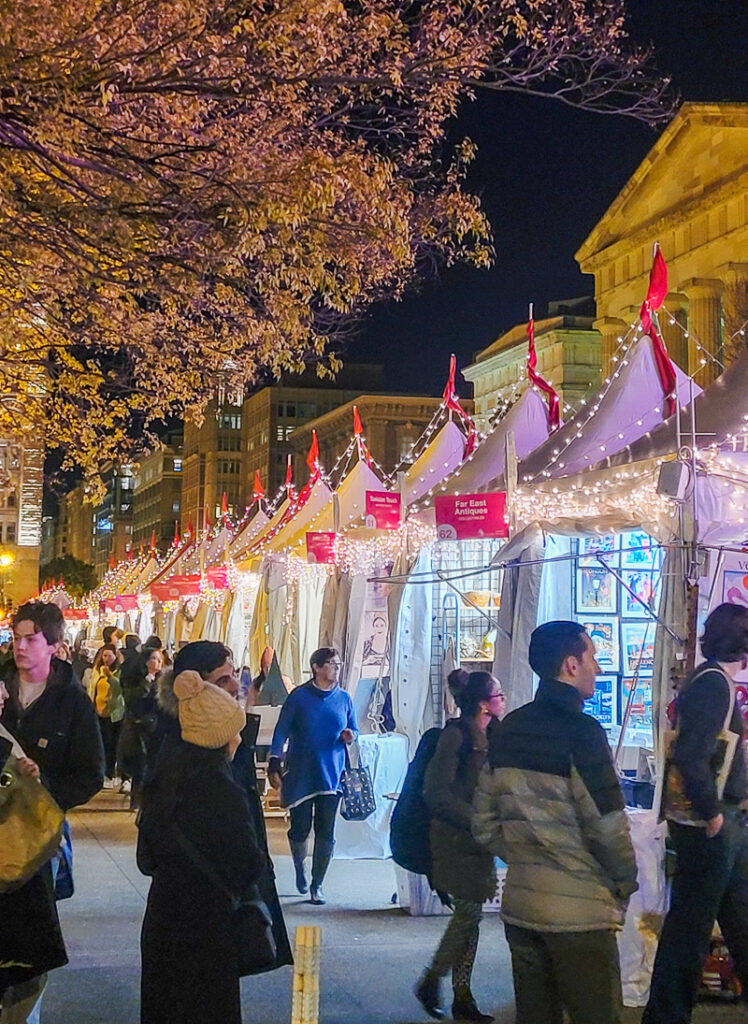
(621,628)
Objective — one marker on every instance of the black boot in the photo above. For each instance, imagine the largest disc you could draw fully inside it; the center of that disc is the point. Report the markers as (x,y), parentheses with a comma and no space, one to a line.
(321,858)
(427,994)
(464,1008)
(299,852)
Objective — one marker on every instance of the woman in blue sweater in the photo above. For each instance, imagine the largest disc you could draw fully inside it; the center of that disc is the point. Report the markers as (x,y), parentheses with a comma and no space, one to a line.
(315,723)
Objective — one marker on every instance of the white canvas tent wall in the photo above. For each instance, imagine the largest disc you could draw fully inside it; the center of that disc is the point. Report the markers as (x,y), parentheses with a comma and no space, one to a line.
(319,497)
(627,409)
(440,458)
(251,529)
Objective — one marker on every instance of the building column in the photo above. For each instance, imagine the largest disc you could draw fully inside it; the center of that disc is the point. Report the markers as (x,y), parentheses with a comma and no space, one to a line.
(611,328)
(673,335)
(705,327)
(734,308)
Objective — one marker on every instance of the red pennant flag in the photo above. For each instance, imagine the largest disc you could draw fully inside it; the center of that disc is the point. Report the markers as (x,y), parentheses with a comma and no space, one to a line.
(312,458)
(141,549)
(207,519)
(176,532)
(259,491)
(358,431)
(130,555)
(190,529)
(224,505)
(111,561)
(655,297)
(358,427)
(452,402)
(554,407)
(153,541)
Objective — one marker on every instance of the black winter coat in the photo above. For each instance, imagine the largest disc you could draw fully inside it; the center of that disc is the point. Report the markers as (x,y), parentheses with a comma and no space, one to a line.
(188,945)
(59,731)
(461,866)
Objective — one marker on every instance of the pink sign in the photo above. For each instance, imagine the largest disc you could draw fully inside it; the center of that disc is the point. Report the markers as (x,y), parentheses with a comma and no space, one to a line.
(466,516)
(320,547)
(218,577)
(382,510)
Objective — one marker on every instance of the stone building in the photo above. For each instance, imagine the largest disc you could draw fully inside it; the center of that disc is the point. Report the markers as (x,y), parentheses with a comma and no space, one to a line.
(157,494)
(113,518)
(21,479)
(568,350)
(74,527)
(391,424)
(690,194)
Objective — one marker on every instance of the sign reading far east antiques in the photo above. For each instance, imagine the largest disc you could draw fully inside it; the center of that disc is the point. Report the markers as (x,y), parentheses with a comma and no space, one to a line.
(382,510)
(467,516)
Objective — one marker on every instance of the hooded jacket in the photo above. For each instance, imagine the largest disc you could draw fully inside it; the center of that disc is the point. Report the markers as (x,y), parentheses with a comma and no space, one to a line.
(550,805)
(61,733)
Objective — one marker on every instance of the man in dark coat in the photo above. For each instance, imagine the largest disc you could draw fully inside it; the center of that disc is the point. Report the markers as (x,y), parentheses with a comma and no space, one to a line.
(53,720)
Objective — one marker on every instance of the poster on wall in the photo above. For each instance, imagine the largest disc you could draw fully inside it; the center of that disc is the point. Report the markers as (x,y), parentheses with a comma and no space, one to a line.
(735,587)
(730,587)
(382,510)
(596,591)
(638,549)
(604,634)
(605,545)
(637,647)
(643,582)
(320,547)
(641,704)
(602,704)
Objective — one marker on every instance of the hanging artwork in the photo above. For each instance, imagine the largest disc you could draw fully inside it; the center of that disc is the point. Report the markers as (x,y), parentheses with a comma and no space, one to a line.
(596,591)
(605,545)
(604,634)
(643,582)
(641,705)
(637,647)
(602,704)
(638,549)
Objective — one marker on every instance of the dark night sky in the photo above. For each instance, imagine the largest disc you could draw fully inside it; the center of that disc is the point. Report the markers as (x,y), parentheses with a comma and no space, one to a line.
(546,174)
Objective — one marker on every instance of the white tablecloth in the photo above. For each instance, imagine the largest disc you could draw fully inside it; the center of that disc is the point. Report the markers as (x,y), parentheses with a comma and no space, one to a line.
(386,757)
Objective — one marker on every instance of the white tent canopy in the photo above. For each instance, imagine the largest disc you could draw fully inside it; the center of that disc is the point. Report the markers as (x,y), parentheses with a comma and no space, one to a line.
(628,408)
(437,460)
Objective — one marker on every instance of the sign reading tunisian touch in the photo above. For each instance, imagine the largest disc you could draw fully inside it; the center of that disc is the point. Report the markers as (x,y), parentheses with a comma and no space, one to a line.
(466,516)
(320,547)
(382,510)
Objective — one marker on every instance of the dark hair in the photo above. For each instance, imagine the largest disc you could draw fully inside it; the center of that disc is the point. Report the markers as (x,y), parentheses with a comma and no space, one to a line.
(320,656)
(47,619)
(107,633)
(552,643)
(202,656)
(98,656)
(478,687)
(725,636)
(153,643)
(457,681)
(131,642)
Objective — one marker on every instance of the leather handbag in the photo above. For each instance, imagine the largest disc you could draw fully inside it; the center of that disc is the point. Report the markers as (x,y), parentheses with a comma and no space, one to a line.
(358,800)
(30,824)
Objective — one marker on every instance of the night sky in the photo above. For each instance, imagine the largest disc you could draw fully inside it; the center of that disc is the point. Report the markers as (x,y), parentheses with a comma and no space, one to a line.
(546,174)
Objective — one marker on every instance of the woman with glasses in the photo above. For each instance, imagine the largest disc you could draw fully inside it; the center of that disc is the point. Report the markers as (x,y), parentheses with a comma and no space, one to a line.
(461,867)
(307,759)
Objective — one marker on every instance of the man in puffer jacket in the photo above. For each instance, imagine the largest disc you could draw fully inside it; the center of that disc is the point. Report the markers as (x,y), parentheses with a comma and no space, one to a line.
(550,805)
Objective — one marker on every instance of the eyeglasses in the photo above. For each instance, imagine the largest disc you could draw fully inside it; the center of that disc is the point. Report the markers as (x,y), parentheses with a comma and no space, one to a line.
(335,664)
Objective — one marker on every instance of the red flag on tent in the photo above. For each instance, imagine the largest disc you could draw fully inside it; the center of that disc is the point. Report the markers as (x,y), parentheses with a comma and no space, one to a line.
(312,458)
(111,561)
(153,541)
(224,505)
(554,406)
(207,519)
(61,583)
(258,491)
(176,532)
(452,402)
(130,554)
(358,430)
(655,297)
(141,549)
(190,529)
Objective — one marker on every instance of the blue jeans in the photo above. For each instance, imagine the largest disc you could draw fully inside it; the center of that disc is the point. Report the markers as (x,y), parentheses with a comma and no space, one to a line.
(710,884)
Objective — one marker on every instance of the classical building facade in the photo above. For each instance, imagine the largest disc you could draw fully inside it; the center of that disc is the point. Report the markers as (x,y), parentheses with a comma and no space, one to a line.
(391,424)
(568,350)
(690,194)
(157,494)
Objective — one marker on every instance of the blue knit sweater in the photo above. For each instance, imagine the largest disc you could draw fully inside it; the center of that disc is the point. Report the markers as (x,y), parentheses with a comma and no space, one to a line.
(311,720)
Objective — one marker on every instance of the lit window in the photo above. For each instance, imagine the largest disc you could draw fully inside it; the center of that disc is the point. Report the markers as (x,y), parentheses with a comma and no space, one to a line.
(177,465)
(175,506)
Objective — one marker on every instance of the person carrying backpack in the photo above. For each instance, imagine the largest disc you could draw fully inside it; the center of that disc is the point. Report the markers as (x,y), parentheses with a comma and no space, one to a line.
(460,866)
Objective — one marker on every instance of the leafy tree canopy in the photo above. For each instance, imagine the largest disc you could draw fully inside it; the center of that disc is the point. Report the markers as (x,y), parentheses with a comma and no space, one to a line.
(194,192)
(79,577)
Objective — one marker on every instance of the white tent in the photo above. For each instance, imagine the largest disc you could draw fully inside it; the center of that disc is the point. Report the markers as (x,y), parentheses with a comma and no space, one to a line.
(248,532)
(440,458)
(627,408)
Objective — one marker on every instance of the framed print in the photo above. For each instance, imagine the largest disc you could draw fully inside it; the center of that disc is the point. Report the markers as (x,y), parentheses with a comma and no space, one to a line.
(596,591)
(637,647)
(641,705)
(735,587)
(644,583)
(637,550)
(603,704)
(606,545)
(604,634)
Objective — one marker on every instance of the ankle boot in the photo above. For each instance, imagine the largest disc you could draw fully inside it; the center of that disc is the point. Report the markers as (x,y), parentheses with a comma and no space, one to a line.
(427,994)
(321,858)
(464,1008)
(299,852)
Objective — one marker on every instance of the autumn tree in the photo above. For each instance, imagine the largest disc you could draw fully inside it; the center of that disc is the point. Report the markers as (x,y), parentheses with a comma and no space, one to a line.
(198,191)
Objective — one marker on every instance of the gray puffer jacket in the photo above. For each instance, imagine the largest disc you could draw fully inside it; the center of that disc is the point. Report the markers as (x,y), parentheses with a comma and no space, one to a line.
(549,803)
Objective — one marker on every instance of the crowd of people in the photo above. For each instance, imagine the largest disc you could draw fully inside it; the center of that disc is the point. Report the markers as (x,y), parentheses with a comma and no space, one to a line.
(536,788)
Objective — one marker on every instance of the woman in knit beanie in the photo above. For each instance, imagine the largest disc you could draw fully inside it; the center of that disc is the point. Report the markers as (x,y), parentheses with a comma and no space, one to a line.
(195,816)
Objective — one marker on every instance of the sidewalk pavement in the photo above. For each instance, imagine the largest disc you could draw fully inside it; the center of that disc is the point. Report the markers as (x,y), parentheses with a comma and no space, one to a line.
(372,951)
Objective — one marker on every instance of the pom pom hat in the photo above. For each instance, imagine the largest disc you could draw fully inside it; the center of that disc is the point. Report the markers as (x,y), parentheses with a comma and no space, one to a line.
(208,716)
